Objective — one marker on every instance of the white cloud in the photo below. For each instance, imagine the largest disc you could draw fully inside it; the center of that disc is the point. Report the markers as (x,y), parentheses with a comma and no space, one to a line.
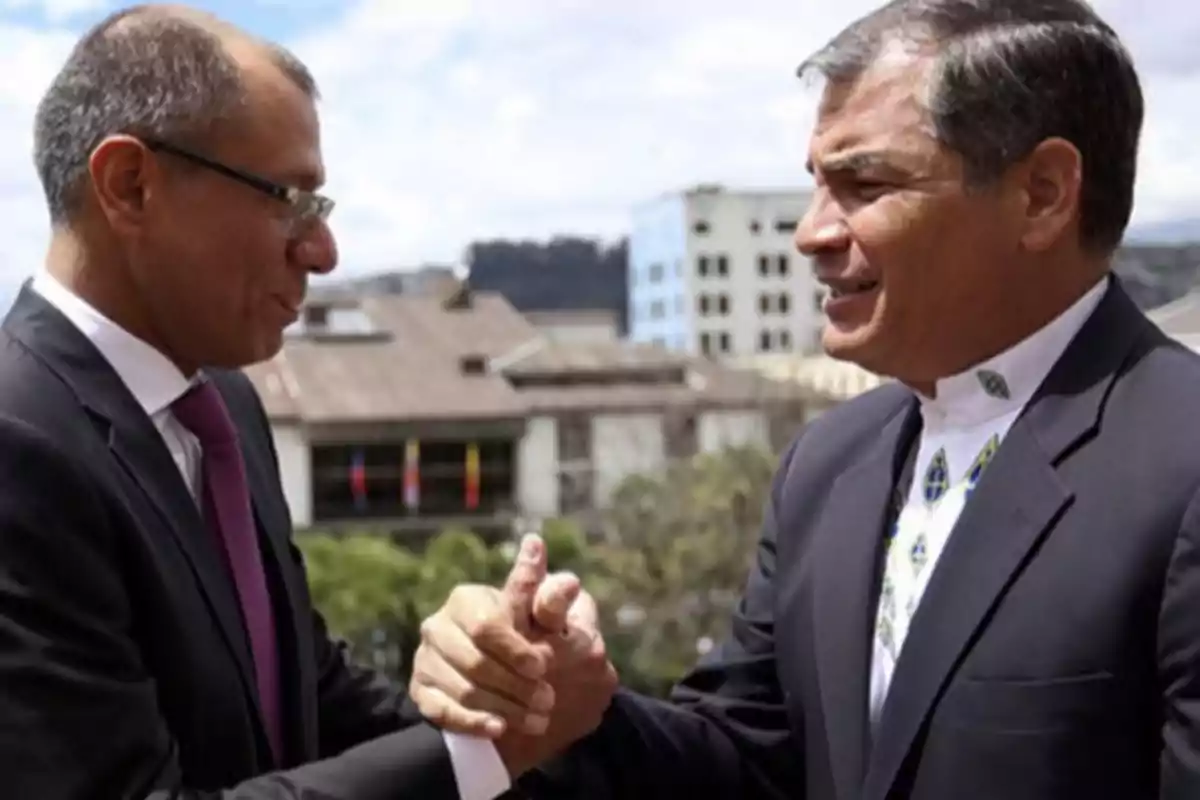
(55,10)
(447,120)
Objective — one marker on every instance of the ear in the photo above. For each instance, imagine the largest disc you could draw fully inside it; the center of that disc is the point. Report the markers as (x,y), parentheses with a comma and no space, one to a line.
(1051,177)
(123,172)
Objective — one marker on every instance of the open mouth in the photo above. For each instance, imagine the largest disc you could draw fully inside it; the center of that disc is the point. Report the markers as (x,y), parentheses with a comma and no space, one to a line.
(849,288)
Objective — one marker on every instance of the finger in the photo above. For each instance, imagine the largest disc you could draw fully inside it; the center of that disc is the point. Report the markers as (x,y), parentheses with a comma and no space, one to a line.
(583,612)
(528,572)
(481,613)
(461,655)
(438,707)
(553,600)
(467,696)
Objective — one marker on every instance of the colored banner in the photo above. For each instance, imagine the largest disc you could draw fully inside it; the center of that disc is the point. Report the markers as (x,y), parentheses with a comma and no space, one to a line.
(358,479)
(472,476)
(412,474)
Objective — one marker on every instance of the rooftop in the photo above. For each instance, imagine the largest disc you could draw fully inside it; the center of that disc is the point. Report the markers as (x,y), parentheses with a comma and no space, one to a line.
(472,356)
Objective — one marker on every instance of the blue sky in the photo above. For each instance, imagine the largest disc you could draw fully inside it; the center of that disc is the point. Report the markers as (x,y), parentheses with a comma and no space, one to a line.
(449,120)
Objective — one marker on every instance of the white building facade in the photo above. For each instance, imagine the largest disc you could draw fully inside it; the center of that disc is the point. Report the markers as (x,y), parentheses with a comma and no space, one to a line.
(715,271)
(620,445)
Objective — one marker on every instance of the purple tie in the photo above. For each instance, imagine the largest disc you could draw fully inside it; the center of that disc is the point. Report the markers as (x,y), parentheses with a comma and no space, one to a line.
(227,510)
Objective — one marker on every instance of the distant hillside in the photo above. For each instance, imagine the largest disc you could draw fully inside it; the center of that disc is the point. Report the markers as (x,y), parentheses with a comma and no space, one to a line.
(1155,274)
(1169,232)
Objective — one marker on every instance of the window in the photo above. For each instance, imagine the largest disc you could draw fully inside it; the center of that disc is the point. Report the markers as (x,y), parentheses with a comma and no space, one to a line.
(679,436)
(783,264)
(657,311)
(764,341)
(755,227)
(574,438)
(702,304)
(368,481)
(678,304)
(784,303)
(764,265)
(764,303)
(785,225)
(723,304)
(723,265)
(706,343)
(785,340)
(700,227)
(702,266)
(726,342)
(574,462)
(819,300)
(656,273)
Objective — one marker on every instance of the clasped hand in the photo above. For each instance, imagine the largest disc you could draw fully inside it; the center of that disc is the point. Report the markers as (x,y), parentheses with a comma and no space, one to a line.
(524,665)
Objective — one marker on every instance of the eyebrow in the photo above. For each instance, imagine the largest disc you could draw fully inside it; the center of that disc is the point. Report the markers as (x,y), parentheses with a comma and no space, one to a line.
(854,162)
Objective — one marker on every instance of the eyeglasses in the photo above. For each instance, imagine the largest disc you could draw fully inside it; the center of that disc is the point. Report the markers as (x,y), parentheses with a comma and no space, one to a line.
(305,204)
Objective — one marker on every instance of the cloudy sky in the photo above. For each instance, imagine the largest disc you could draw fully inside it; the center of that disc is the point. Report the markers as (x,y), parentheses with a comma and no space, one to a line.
(449,120)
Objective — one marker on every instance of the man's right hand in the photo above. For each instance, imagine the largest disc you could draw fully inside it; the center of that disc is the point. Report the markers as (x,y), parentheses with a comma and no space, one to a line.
(525,665)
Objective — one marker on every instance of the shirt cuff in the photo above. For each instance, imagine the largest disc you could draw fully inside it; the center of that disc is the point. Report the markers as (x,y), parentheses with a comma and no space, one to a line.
(478,770)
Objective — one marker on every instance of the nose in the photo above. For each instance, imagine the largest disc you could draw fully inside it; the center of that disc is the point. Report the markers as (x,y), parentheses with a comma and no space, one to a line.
(316,249)
(822,229)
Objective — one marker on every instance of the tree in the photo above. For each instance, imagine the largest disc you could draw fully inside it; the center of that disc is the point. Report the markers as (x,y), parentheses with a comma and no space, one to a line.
(374,593)
(674,556)
(666,571)
(364,587)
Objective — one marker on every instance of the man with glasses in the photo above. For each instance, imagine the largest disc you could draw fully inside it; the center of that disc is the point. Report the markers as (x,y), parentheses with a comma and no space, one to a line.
(157,638)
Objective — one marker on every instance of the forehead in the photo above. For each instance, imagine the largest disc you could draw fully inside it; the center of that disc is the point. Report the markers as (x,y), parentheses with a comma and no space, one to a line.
(280,131)
(881,112)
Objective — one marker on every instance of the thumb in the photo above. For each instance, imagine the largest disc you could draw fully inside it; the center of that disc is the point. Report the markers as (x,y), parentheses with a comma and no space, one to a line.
(528,572)
(553,601)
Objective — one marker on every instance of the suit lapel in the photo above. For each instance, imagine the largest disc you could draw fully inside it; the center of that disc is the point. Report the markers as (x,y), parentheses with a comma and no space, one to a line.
(1016,504)
(143,454)
(846,576)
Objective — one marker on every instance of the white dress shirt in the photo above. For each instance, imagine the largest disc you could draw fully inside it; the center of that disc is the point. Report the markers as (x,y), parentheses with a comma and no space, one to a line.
(959,421)
(155,383)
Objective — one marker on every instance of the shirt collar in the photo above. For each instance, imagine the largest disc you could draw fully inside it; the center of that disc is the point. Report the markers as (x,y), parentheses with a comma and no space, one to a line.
(153,380)
(1006,382)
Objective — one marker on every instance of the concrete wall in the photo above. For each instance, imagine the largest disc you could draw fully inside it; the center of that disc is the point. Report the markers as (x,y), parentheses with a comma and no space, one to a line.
(537,469)
(295,471)
(718,430)
(624,444)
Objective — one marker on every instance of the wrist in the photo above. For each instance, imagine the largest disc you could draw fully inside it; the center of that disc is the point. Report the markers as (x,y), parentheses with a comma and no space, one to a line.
(516,754)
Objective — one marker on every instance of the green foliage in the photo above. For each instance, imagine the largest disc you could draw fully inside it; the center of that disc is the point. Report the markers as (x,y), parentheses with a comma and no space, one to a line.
(666,569)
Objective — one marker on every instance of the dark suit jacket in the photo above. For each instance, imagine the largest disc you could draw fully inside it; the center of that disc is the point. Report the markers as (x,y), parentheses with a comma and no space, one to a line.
(124,667)
(1055,654)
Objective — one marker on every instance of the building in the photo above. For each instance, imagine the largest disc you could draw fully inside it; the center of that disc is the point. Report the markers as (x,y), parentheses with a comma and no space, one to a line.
(716,272)
(413,412)
(825,381)
(585,326)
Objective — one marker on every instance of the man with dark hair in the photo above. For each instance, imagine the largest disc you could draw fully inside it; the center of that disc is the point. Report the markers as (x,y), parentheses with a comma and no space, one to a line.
(157,639)
(982,580)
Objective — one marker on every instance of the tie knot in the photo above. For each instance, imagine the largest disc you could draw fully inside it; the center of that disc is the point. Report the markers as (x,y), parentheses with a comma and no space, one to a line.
(202,411)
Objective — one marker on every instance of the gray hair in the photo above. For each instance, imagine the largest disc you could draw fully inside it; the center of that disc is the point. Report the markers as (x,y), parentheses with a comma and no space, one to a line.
(146,71)
(1010,74)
